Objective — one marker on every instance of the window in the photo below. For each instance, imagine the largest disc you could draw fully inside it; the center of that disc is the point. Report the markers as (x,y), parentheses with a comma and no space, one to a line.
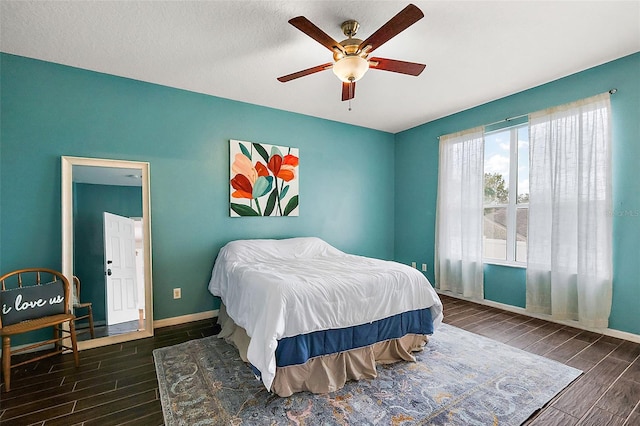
(506,195)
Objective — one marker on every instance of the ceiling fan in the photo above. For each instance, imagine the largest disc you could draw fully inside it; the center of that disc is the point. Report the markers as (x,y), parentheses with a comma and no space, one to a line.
(351,56)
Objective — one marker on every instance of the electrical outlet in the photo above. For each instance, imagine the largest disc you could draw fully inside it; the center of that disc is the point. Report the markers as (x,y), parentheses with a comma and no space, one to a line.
(413,264)
(177,293)
(424,267)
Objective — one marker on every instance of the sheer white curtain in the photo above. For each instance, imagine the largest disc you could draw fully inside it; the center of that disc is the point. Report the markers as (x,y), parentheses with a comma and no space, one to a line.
(569,272)
(458,253)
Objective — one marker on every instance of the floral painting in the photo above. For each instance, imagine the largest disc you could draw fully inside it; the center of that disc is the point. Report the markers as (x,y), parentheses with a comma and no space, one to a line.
(264,180)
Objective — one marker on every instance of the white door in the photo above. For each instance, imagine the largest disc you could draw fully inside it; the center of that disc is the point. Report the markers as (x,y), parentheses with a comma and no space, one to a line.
(120,269)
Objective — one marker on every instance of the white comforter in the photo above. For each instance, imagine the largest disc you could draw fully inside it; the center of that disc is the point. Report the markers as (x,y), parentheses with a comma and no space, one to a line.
(282,288)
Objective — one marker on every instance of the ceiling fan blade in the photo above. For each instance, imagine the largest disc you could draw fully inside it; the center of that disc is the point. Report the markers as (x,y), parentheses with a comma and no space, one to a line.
(310,29)
(302,73)
(348,90)
(403,20)
(410,68)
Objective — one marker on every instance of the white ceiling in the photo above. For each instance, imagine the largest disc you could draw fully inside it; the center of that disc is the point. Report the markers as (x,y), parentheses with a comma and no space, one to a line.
(475,51)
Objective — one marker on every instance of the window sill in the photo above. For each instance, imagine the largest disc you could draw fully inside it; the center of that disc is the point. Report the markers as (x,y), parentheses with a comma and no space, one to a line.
(504,263)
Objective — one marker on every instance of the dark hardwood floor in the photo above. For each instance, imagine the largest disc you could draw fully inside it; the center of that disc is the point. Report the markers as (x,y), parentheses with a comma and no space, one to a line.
(606,394)
(117,384)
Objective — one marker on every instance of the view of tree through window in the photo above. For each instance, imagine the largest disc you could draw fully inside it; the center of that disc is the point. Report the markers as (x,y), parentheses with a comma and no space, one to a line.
(506,194)
(495,191)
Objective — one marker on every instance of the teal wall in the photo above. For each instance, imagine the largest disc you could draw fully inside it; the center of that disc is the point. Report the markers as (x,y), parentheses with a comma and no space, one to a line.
(416,158)
(507,285)
(49,110)
(91,201)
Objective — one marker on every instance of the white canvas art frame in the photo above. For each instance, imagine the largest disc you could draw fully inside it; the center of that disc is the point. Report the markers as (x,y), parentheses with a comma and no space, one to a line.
(263,179)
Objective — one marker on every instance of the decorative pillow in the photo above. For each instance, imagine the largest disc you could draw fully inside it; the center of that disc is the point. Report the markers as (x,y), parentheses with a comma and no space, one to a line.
(31,302)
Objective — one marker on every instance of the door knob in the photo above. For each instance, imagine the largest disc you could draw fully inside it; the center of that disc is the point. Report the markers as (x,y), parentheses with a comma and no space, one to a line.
(109,271)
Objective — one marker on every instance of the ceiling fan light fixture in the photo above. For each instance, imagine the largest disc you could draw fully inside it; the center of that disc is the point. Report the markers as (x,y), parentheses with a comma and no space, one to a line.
(350,68)
(350,56)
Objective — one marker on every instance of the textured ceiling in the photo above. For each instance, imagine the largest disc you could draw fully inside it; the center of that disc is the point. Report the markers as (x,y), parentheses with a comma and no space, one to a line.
(475,51)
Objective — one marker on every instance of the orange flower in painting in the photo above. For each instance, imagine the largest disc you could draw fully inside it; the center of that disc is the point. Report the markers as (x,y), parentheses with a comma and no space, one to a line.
(275,162)
(287,170)
(283,168)
(262,169)
(243,187)
(246,176)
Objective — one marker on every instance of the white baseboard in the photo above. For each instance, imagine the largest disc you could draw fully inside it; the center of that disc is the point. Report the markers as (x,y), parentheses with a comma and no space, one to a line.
(165,322)
(515,309)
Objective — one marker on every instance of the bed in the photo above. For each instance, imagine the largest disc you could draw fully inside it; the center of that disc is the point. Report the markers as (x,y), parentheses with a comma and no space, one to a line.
(309,317)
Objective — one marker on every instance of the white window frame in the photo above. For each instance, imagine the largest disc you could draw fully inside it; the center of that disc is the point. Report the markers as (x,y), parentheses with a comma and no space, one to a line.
(513,204)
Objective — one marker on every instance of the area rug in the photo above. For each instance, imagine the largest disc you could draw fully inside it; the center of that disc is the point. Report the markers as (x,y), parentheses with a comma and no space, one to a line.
(459,379)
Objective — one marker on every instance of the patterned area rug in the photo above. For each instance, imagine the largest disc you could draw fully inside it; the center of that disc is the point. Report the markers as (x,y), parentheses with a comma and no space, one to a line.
(459,379)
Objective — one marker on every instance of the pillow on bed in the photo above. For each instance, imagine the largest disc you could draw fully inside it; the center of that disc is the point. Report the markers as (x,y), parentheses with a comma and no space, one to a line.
(264,250)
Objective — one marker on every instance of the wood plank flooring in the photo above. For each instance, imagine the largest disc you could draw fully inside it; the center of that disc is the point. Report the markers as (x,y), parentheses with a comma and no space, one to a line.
(117,384)
(607,393)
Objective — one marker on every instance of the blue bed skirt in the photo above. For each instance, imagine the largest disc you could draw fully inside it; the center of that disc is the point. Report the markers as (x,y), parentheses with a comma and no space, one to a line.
(299,349)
